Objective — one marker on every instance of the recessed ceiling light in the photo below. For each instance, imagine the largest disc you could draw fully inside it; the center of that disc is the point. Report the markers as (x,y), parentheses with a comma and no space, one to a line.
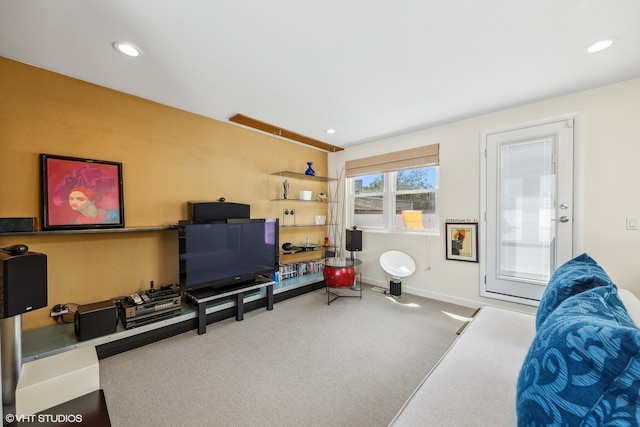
(600,45)
(127,49)
(330,131)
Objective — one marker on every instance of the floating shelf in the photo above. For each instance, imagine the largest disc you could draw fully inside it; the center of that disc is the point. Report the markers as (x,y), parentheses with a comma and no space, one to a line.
(89,231)
(305,226)
(289,174)
(301,200)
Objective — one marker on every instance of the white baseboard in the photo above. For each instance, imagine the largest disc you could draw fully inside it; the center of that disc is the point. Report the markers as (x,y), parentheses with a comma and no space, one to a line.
(452,299)
(442,297)
(426,294)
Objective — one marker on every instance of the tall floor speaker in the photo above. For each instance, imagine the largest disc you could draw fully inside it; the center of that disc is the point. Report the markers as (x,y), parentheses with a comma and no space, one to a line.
(23,288)
(23,283)
(353,243)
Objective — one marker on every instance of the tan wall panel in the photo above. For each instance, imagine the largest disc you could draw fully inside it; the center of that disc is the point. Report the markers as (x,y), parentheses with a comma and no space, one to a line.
(169,157)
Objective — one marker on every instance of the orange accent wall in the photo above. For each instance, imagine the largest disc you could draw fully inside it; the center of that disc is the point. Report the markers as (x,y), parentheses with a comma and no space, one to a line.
(169,157)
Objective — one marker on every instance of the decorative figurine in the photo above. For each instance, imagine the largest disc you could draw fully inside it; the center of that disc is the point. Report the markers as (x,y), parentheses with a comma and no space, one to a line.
(326,242)
(310,170)
(285,184)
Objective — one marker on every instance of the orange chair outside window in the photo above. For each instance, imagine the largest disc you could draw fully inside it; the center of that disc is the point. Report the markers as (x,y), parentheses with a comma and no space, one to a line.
(412,219)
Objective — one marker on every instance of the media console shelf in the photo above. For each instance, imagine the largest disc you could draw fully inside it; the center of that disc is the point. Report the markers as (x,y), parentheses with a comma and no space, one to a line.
(60,337)
(203,296)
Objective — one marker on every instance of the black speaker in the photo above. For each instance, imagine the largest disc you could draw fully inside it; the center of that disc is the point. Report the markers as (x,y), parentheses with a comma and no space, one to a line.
(203,212)
(17,224)
(95,319)
(23,282)
(354,240)
(395,287)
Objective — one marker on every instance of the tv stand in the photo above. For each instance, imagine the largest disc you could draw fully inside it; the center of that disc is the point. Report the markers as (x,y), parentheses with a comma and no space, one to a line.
(203,296)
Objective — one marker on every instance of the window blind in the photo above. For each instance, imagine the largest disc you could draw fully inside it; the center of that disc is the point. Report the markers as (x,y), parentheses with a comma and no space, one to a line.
(427,155)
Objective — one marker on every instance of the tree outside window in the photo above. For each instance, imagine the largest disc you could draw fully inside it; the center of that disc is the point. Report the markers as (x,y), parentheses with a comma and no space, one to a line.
(379,200)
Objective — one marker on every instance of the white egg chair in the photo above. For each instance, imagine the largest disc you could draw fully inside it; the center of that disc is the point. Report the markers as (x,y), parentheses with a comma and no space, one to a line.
(396,265)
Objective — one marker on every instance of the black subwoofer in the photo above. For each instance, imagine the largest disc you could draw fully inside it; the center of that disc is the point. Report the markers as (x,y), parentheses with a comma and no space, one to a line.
(23,283)
(395,287)
(95,319)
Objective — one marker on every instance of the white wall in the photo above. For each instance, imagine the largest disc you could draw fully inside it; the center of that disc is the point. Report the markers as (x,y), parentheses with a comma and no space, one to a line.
(608,167)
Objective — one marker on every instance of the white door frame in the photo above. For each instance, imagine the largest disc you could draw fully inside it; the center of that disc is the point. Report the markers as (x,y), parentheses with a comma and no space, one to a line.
(577,196)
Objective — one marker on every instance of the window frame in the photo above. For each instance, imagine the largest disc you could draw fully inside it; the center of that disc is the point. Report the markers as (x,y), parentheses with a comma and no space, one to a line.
(389,195)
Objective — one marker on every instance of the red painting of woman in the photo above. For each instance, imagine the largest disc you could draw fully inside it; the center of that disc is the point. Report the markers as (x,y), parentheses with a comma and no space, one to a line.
(82,193)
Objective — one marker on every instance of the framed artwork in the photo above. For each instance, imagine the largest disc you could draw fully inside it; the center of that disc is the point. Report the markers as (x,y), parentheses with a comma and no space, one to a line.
(81,193)
(462,241)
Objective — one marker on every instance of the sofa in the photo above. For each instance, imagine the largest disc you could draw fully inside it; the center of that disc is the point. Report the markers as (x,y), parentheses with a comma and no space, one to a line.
(576,362)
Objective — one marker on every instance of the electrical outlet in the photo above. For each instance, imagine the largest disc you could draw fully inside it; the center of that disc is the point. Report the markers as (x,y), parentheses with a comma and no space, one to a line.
(59,310)
(632,223)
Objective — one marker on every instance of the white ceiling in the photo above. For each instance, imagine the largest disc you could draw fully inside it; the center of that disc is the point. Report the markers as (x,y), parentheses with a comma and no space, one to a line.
(368,68)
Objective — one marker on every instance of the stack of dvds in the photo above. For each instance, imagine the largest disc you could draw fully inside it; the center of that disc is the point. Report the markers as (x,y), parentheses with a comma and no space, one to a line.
(288,271)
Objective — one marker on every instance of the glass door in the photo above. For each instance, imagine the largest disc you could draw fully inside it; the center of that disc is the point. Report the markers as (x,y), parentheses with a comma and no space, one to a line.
(529,204)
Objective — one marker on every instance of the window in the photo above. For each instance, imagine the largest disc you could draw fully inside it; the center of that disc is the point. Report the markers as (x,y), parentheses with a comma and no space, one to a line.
(367,195)
(404,199)
(394,191)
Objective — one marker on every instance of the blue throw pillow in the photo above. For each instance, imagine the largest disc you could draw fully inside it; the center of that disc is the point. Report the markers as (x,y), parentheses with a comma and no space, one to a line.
(583,367)
(571,278)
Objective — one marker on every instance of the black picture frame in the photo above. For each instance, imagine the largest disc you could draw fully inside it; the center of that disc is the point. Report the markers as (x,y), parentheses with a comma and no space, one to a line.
(81,193)
(462,241)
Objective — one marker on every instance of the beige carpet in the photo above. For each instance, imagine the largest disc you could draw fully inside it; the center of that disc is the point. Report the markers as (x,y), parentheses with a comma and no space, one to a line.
(351,363)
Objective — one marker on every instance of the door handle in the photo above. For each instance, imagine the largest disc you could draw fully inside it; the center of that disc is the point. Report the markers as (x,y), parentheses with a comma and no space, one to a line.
(563,218)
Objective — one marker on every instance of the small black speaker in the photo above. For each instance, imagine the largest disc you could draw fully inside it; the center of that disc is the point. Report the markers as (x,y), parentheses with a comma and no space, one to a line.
(23,282)
(95,319)
(203,212)
(17,224)
(354,240)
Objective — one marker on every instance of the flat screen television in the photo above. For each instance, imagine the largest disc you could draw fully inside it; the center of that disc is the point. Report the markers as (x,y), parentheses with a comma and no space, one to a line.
(227,253)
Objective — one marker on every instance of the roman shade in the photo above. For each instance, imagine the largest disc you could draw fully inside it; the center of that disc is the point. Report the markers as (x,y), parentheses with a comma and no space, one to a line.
(427,155)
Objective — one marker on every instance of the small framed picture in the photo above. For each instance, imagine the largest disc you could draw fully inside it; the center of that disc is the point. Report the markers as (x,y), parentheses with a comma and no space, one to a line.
(81,193)
(462,241)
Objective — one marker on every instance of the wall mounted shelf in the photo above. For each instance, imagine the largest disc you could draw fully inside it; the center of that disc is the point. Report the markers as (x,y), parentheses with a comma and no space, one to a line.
(302,250)
(289,174)
(284,133)
(301,200)
(305,226)
(89,231)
